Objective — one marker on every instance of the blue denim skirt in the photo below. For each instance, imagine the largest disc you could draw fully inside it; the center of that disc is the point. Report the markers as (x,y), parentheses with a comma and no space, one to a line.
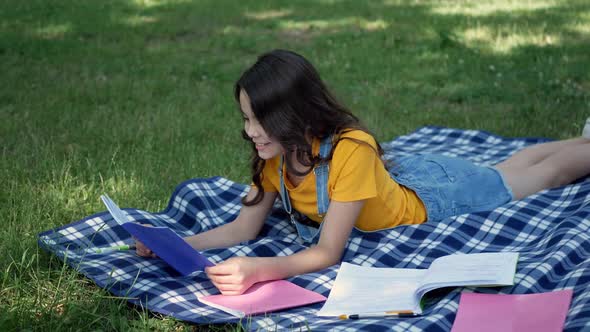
(451,186)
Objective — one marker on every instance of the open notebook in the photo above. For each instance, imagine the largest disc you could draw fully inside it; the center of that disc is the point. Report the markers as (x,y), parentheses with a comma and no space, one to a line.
(368,290)
(165,243)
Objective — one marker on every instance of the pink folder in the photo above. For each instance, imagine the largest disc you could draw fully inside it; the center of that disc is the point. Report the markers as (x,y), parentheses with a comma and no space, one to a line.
(542,312)
(264,297)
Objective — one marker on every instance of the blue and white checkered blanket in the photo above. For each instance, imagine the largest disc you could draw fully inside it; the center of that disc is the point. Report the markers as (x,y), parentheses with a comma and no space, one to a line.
(550,230)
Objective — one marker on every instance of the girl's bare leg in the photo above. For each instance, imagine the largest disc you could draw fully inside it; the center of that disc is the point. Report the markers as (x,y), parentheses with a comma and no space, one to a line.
(534,154)
(549,165)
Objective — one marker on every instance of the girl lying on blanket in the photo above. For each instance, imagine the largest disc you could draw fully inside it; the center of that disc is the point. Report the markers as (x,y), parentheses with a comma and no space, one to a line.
(325,165)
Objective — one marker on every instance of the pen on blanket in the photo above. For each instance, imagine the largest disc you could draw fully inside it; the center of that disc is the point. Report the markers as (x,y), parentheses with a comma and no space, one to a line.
(109,249)
(401,314)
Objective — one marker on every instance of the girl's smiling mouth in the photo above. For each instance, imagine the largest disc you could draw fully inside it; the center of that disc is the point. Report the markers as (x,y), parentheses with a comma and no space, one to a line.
(260,146)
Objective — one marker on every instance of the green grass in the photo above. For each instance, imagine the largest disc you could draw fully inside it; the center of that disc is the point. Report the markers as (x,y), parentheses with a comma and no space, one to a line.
(134,97)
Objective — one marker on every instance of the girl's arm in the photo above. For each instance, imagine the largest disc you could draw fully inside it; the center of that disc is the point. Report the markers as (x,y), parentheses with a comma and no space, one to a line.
(237,274)
(245,227)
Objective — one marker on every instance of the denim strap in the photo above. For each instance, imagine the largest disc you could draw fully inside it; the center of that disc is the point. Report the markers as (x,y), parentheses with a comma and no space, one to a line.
(321,172)
(321,177)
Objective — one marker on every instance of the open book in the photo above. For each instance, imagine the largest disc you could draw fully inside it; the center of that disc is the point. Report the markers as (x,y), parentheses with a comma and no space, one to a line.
(362,290)
(165,243)
(263,297)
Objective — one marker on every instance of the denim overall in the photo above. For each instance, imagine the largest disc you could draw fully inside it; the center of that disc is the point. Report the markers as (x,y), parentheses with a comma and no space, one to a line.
(447,187)
(310,234)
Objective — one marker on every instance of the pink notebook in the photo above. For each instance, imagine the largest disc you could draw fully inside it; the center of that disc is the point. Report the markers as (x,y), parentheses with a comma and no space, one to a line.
(542,312)
(264,297)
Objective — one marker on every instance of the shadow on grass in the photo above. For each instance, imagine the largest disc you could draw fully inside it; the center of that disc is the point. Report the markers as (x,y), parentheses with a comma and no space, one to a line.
(392,57)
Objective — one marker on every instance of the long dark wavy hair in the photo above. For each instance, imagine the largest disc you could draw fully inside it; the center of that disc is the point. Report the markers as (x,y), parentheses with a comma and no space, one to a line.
(293,105)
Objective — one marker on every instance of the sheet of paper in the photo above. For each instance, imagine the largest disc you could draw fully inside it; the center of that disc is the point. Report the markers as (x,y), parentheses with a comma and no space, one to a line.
(119,215)
(362,289)
(495,268)
(542,312)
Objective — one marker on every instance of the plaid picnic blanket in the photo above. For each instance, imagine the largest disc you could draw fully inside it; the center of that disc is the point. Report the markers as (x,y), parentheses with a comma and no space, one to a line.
(550,230)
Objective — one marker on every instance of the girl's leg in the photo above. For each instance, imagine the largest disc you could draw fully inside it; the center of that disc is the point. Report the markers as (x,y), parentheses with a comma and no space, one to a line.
(562,165)
(534,154)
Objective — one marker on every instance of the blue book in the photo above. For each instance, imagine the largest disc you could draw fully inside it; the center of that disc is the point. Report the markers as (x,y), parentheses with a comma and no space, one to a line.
(164,242)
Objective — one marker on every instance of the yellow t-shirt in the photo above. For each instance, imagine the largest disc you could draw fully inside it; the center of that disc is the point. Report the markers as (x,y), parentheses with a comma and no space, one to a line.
(356,173)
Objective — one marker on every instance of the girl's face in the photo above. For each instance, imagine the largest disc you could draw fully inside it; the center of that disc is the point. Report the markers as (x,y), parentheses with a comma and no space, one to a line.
(267,147)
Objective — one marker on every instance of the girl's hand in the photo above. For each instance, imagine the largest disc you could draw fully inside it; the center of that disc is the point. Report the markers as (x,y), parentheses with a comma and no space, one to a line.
(142,250)
(235,275)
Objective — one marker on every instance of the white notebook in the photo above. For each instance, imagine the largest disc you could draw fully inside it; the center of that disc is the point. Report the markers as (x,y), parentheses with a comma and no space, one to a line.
(361,290)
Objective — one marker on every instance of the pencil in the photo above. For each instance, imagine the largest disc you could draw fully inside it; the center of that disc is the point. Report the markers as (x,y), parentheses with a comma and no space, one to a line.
(401,314)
